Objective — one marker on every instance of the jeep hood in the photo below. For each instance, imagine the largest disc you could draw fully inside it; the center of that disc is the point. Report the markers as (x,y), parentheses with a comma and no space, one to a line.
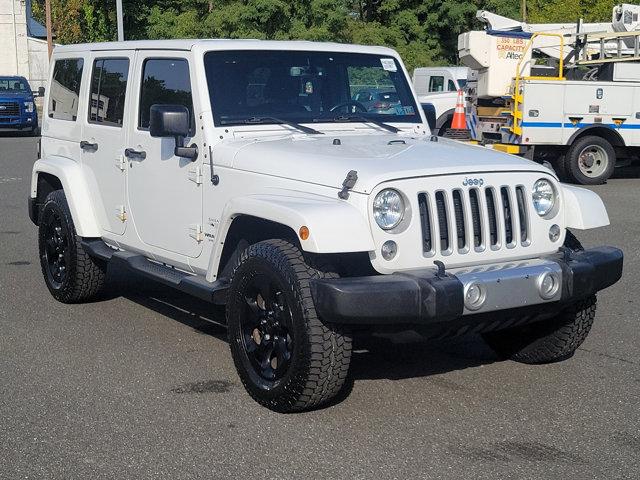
(326,159)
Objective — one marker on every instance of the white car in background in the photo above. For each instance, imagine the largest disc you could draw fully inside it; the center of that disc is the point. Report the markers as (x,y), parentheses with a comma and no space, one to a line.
(437,90)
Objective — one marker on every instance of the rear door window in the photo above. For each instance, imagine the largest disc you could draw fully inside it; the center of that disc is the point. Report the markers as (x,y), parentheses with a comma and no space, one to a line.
(165,81)
(64,92)
(108,90)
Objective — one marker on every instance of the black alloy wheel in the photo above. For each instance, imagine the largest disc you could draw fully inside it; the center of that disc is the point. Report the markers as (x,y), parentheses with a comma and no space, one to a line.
(56,254)
(266,328)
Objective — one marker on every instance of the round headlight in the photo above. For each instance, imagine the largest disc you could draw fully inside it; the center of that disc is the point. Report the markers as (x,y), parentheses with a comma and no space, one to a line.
(543,196)
(388,209)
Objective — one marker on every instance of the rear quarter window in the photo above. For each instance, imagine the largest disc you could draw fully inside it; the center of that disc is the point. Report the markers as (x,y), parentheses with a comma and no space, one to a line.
(108,91)
(64,93)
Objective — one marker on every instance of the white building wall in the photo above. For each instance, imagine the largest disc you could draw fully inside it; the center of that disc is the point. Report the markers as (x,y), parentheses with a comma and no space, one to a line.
(21,55)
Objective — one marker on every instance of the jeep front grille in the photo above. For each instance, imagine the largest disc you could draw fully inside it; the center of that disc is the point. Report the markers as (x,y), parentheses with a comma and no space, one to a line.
(478,218)
(9,109)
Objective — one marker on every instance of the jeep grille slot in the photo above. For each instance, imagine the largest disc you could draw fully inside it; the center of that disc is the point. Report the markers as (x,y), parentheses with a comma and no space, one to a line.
(461,232)
(491,210)
(461,221)
(522,215)
(443,221)
(425,221)
(508,215)
(474,202)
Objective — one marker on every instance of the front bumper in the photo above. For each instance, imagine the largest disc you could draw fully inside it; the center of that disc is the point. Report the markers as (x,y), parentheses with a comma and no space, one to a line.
(19,123)
(425,297)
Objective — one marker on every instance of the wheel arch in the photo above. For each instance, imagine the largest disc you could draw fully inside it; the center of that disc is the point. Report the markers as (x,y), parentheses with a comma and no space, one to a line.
(61,173)
(334,226)
(607,133)
(444,118)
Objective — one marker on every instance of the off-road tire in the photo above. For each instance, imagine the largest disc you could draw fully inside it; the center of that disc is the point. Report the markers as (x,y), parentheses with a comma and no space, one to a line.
(319,363)
(571,169)
(85,276)
(550,340)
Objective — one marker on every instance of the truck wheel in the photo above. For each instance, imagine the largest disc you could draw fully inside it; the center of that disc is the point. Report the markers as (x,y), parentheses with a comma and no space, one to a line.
(590,161)
(71,275)
(553,339)
(549,341)
(287,358)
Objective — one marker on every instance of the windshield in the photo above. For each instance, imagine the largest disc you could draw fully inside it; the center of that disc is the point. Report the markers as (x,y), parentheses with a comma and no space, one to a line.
(462,82)
(303,87)
(13,85)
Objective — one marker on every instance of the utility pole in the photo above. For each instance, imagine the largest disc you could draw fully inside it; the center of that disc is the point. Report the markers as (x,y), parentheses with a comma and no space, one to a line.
(47,8)
(119,19)
(523,8)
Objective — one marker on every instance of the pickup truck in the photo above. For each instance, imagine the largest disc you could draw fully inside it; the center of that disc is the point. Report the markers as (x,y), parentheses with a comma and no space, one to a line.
(17,106)
(437,89)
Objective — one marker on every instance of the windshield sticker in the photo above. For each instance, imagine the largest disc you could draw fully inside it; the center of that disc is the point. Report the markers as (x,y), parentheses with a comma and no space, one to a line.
(389,64)
(408,110)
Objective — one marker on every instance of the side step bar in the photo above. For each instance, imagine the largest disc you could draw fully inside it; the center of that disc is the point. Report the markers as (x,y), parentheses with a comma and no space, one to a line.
(214,292)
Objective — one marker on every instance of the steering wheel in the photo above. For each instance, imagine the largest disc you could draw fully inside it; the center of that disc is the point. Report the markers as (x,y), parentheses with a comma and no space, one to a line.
(350,103)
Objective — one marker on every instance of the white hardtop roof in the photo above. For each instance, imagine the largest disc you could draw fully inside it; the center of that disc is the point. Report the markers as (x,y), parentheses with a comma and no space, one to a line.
(223,44)
(454,70)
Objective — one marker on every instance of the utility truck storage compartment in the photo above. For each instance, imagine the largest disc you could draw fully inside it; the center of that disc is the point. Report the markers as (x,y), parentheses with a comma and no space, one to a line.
(480,50)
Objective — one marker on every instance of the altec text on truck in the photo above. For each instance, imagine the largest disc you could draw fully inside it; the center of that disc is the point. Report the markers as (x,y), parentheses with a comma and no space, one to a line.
(563,93)
(250,174)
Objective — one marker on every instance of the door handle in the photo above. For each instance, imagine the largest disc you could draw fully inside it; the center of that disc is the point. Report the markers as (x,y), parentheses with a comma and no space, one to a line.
(84,145)
(131,153)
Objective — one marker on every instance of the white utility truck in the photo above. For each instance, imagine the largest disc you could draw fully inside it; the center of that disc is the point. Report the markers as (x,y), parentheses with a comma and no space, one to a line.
(245,173)
(437,89)
(567,94)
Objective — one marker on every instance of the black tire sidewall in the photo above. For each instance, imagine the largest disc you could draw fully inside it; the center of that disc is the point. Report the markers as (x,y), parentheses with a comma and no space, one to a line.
(571,168)
(288,281)
(56,203)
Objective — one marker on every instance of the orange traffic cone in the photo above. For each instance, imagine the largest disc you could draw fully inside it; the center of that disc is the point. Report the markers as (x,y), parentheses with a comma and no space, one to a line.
(458,128)
(459,121)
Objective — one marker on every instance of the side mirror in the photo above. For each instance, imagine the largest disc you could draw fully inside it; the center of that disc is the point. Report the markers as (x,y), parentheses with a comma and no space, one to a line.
(172,121)
(41,92)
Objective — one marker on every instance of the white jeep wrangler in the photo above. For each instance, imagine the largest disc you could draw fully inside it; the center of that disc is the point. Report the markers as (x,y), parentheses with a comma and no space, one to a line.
(246,173)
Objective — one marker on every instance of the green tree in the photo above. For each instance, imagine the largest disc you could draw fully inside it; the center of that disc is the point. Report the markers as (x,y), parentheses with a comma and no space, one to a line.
(425,32)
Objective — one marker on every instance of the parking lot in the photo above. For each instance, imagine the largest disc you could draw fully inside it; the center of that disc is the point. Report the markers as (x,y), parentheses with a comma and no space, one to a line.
(141,385)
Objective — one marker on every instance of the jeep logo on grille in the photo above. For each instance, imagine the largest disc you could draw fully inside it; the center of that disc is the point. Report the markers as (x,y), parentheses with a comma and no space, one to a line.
(472,182)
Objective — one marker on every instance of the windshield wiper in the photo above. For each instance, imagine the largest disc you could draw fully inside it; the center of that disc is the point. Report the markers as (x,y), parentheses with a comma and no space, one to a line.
(360,118)
(297,126)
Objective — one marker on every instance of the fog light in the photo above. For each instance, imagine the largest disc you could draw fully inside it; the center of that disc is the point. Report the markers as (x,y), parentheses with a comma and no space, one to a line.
(474,296)
(389,250)
(548,285)
(554,233)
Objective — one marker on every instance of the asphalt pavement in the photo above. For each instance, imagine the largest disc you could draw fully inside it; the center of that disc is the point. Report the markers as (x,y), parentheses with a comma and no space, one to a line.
(140,384)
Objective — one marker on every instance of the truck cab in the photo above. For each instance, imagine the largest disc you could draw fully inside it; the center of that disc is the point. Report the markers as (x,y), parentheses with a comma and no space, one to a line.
(17,106)
(257,176)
